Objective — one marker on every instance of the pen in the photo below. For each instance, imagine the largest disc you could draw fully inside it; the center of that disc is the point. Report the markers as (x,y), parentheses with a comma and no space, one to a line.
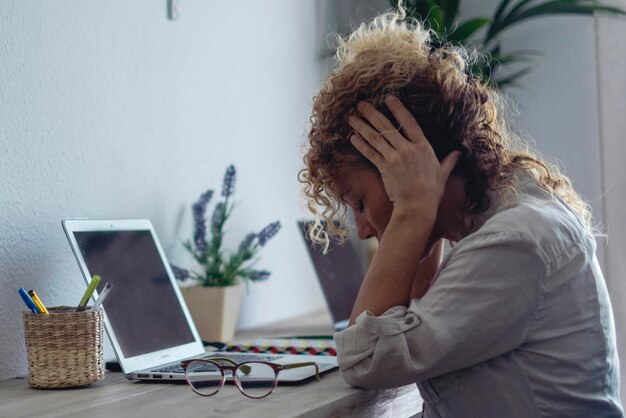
(42,309)
(90,289)
(103,295)
(27,300)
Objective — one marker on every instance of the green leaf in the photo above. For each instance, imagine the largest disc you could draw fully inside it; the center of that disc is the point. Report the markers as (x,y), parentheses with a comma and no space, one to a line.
(503,60)
(511,79)
(495,50)
(499,16)
(440,16)
(467,29)
(520,55)
(553,7)
(449,9)
(516,8)
(421,9)
(500,10)
(516,56)
(435,17)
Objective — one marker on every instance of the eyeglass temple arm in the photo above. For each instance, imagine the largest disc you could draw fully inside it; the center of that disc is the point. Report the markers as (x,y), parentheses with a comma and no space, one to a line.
(308,363)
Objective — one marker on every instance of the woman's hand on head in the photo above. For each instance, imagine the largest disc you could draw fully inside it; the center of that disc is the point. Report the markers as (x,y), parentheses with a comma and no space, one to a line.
(412,175)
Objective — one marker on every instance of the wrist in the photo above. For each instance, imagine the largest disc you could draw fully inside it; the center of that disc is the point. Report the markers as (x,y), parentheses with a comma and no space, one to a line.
(414,212)
(411,225)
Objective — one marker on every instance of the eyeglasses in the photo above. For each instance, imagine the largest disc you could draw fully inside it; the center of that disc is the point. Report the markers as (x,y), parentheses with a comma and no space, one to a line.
(254,379)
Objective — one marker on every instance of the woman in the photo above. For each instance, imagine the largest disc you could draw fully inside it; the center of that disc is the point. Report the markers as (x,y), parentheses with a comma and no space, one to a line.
(516,320)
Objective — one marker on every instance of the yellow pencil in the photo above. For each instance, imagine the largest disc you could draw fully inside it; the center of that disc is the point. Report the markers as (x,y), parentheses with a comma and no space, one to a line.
(35,298)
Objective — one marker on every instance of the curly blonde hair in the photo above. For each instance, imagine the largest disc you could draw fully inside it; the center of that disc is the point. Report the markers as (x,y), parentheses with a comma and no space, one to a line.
(456,111)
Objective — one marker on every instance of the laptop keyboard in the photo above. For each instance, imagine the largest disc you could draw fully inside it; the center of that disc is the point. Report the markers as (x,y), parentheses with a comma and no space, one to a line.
(236,357)
(176,368)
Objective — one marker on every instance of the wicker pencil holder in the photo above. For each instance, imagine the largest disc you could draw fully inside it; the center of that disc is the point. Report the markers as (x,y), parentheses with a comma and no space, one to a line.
(64,348)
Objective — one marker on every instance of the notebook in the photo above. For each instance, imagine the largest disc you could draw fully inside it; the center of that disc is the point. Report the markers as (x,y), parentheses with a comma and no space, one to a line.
(145,315)
(340,275)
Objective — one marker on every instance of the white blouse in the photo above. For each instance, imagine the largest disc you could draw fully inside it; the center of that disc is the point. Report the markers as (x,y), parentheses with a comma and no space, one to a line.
(517,323)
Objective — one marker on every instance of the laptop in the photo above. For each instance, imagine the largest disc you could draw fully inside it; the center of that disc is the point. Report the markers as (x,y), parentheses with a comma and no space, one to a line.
(146,319)
(340,275)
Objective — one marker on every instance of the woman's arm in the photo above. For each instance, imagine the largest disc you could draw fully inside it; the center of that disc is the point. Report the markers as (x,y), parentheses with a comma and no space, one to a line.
(426,271)
(392,272)
(482,305)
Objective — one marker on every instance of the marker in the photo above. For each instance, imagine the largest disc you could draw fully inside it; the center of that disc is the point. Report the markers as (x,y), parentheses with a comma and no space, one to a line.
(27,300)
(103,295)
(42,309)
(90,289)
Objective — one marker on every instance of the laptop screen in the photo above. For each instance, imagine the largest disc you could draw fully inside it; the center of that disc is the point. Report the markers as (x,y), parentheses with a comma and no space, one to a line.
(339,272)
(143,309)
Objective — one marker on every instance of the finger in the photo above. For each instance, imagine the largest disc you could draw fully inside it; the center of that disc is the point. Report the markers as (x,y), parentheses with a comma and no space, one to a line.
(371,135)
(408,123)
(448,163)
(367,150)
(382,124)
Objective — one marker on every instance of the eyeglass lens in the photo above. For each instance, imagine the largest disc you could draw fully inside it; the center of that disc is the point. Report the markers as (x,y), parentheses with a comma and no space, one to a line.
(257,381)
(205,378)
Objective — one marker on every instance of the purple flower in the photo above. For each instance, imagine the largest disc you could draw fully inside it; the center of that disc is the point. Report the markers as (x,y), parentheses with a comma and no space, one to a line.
(199,211)
(180,273)
(228,186)
(246,244)
(268,232)
(218,217)
(259,275)
(199,208)
(199,236)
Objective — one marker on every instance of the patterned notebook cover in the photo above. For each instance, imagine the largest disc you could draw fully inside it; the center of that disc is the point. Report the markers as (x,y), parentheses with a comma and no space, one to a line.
(311,347)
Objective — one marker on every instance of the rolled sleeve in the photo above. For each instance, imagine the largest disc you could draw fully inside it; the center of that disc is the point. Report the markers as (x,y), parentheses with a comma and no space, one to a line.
(481,305)
(358,341)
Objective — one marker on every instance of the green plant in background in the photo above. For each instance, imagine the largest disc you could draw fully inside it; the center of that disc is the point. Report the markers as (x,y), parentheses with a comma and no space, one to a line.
(216,266)
(483,33)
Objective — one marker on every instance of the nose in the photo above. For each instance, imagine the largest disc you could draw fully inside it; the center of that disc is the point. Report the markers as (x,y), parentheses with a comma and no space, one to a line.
(364,228)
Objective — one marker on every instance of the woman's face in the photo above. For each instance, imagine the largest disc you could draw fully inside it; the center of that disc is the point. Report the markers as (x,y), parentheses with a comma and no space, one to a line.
(363,191)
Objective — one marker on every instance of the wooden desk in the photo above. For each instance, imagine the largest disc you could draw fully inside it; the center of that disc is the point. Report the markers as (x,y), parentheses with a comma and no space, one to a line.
(119,397)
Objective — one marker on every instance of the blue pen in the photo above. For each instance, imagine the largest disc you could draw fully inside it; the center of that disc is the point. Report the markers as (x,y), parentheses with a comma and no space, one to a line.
(28,301)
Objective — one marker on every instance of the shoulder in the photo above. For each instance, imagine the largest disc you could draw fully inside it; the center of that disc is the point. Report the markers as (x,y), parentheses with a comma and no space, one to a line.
(535,219)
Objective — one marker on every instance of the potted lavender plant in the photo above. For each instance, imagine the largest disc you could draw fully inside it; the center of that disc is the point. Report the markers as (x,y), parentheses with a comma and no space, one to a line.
(213,289)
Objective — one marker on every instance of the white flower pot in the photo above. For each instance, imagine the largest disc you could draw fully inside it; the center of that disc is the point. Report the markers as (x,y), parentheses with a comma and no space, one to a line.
(214,310)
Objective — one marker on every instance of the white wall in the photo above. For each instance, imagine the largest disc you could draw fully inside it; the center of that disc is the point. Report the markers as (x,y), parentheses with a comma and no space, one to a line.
(558,105)
(110,110)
